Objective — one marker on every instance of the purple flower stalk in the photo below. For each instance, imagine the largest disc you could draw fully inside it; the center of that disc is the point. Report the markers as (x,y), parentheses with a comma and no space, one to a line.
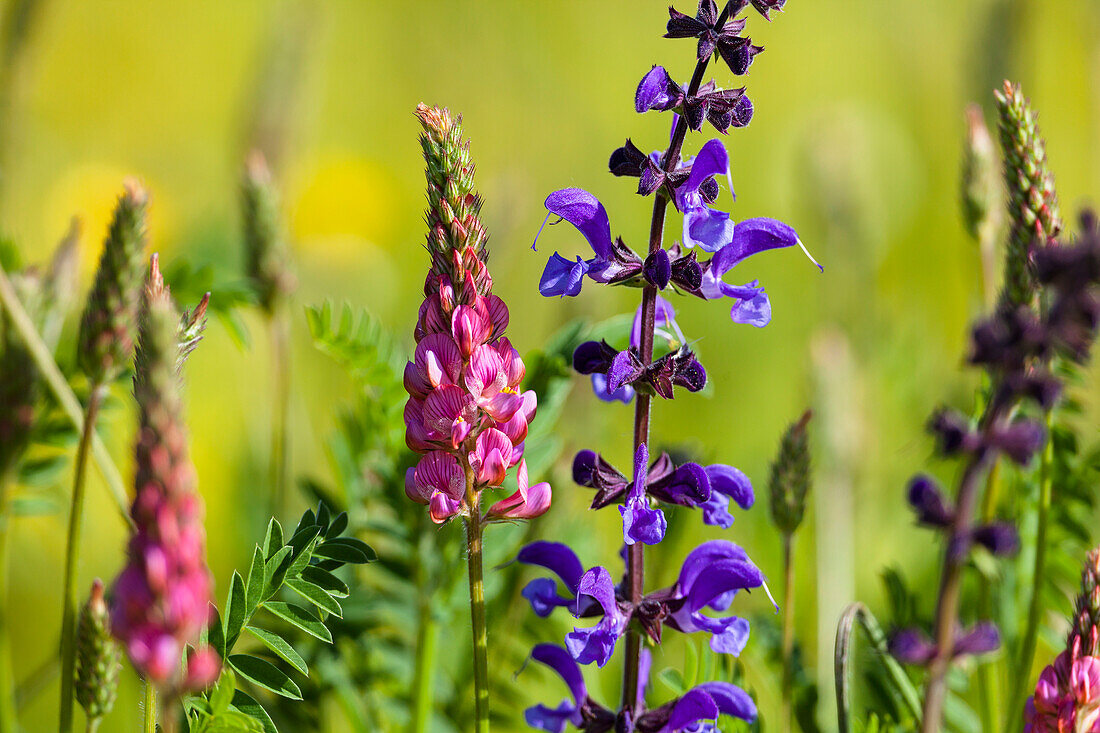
(711,244)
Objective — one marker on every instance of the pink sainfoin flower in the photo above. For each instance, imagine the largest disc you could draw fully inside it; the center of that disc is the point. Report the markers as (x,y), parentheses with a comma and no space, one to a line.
(466,412)
(160,603)
(1067,696)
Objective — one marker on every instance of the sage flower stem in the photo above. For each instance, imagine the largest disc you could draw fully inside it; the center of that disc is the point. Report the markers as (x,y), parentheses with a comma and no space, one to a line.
(474,529)
(72,557)
(1021,674)
(955,556)
(636,555)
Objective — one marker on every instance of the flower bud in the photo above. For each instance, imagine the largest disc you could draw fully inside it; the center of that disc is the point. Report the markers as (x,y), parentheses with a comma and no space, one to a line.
(1032,204)
(981,189)
(790,477)
(266,259)
(98,659)
(1084,637)
(108,325)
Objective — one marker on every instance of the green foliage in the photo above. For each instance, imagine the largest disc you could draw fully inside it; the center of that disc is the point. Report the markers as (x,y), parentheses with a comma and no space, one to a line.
(304,565)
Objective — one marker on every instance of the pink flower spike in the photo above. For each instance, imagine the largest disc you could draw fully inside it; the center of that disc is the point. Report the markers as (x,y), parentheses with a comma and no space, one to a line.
(485,376)
(470,328)
(492,457)
(527,502)
(438,472)
(498,314)
(203,667)
(443,507)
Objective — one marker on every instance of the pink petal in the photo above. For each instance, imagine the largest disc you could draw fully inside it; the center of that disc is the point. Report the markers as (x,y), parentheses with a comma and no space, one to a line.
(502,406)
(439,472)
(485,376)
(444,406)
(470,328)
(416,434)
(498,314)
(438,359)
(413,490)
(443,507)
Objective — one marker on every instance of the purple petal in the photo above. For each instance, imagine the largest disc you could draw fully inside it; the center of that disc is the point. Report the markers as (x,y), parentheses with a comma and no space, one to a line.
(694,707)
(689,485)
(594,644)
(542,594)
(750,237)
(587,214)
(926,498)
(699,559)
(1000,538)
(912,646)
(624,369)
(721,577)
(707,228)
(731,700)
(981,639)
(624,394)
(752,307)
(558,660)
(596,584)
(656,91)
(554,720)
(641,466)
(658,268)
(642,523)
(712,160)
(731,482)
(555,557)
(593,356)
(664,316)
(645,664)
(562,277)
(716,511)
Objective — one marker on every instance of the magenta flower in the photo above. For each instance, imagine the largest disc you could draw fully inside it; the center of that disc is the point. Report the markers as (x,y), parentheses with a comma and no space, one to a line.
(466,408)
(1067,697)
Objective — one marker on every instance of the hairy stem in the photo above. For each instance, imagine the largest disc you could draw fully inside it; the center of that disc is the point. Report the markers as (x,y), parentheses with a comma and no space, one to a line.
(8,720)
(1022,672)
(72,558)
(150,708)
(635,561)
(47,367)
(279,326)
(786,690)
(474,529)
(955,555)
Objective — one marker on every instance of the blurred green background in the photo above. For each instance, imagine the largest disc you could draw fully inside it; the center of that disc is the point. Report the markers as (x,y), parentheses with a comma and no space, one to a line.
(856,142)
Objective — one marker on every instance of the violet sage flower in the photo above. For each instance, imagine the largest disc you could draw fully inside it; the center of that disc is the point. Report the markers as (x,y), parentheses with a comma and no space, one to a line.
(696,711)
(711,576)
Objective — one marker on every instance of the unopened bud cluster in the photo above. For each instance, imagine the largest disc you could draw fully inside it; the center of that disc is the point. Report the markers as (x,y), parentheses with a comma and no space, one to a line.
(790,477)
(266,259)
(98,658)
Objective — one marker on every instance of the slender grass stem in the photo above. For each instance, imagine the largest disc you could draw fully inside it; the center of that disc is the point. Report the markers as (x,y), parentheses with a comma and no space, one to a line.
(44,362)
(72,558)
(787,689)
(427,638)
(1022,672)
(279,326)
(8,719)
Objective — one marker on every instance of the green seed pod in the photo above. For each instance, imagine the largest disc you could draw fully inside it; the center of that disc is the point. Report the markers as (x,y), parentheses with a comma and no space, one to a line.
(1032,203)
(98,657)
(108,325)
(790,477)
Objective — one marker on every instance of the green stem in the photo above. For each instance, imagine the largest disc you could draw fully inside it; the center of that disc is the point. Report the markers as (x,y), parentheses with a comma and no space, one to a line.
(8,720)
(46,365)
(150,708)
(477,609)
(72,557)
(280,439)
(786,690)
(91,725)
(1022,674)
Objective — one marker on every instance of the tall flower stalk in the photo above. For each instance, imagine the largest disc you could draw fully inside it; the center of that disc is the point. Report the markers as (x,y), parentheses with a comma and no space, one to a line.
(268,269)
(106,344)
(715,571)
(466,413)
(160,602)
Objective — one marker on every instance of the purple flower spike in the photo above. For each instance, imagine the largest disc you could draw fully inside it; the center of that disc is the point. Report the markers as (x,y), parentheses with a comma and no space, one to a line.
(596,643)
(641,523)
(657,91)
(562,277)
